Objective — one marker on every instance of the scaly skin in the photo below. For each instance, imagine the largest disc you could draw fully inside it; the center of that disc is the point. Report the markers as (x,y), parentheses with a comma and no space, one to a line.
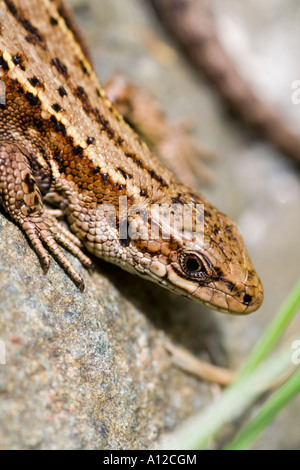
(60,135)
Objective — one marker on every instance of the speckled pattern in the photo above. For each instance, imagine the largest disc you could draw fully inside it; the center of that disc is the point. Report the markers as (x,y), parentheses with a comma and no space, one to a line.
(75,144)
(252,183)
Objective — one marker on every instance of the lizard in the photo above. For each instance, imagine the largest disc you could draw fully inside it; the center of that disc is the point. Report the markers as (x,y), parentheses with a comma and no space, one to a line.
(62,139)
(192,24)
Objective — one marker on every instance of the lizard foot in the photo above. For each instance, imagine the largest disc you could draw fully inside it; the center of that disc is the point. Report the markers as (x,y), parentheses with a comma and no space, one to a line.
(47,236)
(21,198)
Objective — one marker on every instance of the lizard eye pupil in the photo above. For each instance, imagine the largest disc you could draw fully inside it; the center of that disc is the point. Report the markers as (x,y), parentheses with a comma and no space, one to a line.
(191,264)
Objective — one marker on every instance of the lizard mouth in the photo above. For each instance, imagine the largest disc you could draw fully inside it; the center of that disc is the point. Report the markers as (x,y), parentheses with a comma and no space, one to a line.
(239,299)
(246,301)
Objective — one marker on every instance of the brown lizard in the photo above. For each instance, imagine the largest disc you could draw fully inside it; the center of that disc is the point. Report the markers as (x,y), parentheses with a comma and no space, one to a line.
(192,24)
(61,137)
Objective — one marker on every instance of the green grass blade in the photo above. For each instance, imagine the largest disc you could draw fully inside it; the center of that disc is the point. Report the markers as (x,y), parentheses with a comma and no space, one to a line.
(274,331)
(255,378)
(266,414)
(199,431)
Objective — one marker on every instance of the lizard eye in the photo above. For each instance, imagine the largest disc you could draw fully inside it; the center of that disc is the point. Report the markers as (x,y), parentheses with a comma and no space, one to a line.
(191,264)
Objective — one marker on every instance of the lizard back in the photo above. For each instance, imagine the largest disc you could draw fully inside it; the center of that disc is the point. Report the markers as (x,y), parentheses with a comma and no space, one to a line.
(60,133)
(55,84)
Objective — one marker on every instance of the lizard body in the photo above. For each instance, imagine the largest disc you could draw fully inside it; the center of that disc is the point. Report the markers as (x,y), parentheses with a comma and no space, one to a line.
(61,136)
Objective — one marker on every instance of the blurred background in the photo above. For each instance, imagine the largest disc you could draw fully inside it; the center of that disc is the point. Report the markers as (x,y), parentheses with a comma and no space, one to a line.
(253,183)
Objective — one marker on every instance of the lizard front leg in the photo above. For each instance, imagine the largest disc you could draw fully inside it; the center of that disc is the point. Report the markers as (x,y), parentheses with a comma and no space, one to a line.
(21,198)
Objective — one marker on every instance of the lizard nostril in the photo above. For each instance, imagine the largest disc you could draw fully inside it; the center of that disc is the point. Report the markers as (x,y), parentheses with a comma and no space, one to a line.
(247,299)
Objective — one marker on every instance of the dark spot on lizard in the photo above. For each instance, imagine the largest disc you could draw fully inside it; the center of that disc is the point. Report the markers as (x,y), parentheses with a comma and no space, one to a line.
(62,91)
(151,172)
(17,60)
(10,5)
(247,299)
(56,107)
(84,69)
(228,284)
(105,125)
(59,127)
(4,64)
(143,193)
(127,176)
(123,173)
(80,92)
(33,100)
(60,66)
(57,158)
(157,178)
(35,35)
(136,160)
(90,140)
(34,81)
(218,272)
(53,21)
(119,141)
(77,150)
(61,12)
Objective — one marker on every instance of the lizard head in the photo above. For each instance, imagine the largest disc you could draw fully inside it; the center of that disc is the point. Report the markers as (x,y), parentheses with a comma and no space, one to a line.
(205,261)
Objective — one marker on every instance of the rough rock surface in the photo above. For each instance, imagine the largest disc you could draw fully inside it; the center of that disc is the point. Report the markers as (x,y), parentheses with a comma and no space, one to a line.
(89,371)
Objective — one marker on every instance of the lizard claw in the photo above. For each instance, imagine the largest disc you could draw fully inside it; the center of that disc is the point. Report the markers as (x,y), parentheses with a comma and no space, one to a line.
(46,234)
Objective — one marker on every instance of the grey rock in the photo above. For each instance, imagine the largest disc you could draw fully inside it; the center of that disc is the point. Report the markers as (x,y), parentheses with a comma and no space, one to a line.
(90,371)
